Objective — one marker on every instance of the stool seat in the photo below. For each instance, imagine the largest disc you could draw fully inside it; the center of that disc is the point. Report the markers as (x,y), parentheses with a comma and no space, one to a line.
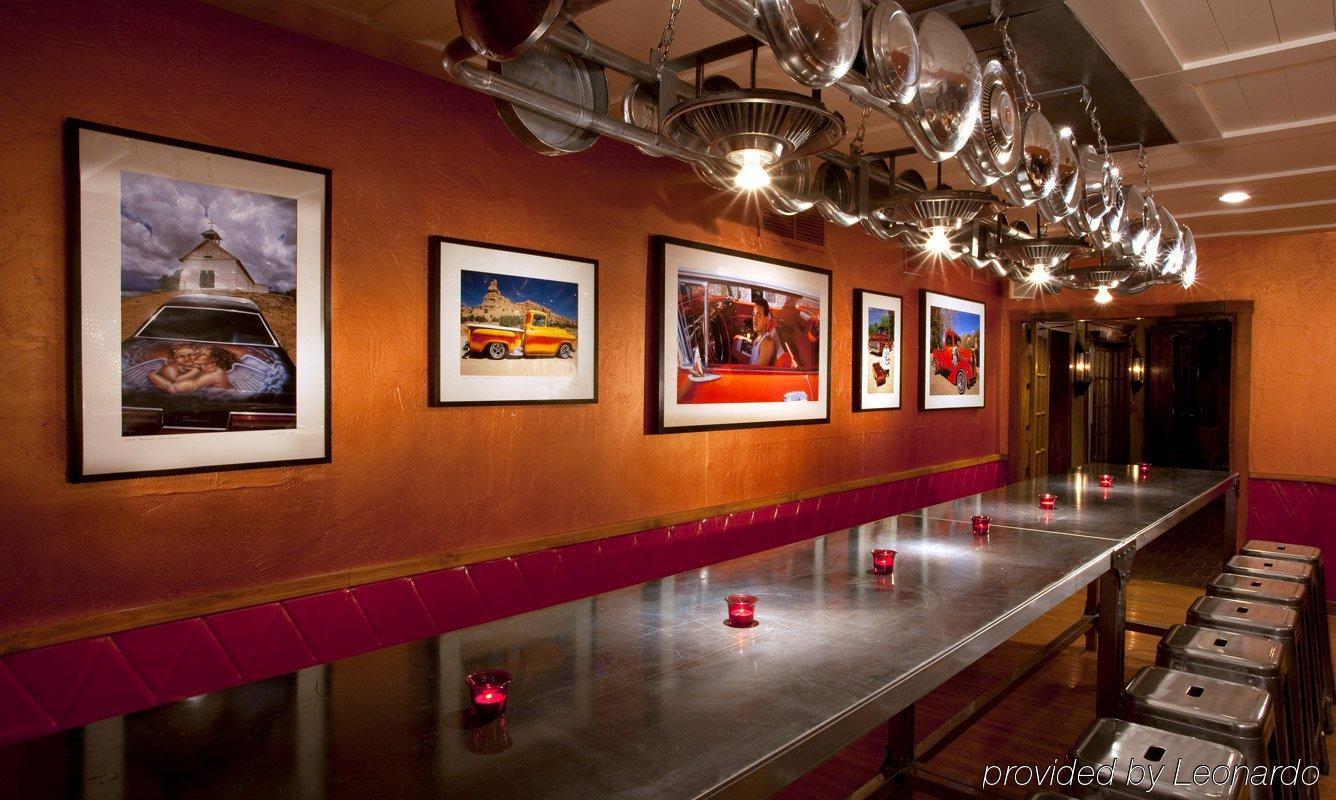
(1226,651)
(1296,552)
(1112,742)
(1245,616)
(1200,702)
(1279,568)
(1267,590)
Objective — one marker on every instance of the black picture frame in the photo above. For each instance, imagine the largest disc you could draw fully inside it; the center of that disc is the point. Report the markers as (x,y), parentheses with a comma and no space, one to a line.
(658,271)
(70,130)
(856,324)
(434,321)
(925,323)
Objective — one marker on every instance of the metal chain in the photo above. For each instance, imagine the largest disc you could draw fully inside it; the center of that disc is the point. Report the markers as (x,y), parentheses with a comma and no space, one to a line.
(1088,101)
(1145,170)
(1009,52)
(660,54)
(856,146)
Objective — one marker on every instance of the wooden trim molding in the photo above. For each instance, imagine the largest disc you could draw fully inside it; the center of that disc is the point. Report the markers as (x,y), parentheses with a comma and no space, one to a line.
(105,623)
(1274,476)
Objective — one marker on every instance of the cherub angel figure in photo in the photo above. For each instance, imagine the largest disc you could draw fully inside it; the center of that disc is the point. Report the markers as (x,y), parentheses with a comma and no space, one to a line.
(189,368)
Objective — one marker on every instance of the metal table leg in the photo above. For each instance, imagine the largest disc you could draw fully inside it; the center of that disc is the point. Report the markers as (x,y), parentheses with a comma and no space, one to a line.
(1111,671)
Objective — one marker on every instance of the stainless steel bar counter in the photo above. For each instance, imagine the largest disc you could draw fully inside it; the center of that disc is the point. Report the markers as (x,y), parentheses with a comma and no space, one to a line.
(637,693)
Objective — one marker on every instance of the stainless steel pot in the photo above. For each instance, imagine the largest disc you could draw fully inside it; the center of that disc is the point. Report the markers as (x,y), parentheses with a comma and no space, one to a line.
(814,41)
(640,107)
(790,187)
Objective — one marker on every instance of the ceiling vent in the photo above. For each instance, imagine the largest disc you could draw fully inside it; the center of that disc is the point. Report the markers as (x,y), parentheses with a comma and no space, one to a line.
(807,228)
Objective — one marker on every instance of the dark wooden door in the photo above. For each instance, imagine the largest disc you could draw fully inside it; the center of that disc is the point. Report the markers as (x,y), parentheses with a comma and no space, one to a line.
(1187,400)
(1060,402)
(1110,403)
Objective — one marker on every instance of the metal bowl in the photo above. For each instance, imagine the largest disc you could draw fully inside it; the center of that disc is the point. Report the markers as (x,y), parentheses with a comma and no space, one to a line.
(1037,170)
(891,50)
(950,88)
(784,124)
(993,151)
(503,29)
(556,72)
(814,41)
(1066,196)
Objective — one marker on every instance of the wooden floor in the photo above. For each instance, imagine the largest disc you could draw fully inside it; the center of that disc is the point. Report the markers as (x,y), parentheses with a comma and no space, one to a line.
(1036,724)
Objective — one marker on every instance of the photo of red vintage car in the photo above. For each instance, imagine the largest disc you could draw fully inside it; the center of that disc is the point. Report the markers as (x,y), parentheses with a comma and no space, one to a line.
(743,342)
(955,362)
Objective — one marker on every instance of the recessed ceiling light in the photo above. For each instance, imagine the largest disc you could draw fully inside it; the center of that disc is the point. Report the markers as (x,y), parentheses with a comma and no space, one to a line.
(1234,197)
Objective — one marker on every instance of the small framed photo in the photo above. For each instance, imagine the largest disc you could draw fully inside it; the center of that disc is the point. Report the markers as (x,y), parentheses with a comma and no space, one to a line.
(511,326)
(877,347)
(743,341)
(953,342)
(199,307)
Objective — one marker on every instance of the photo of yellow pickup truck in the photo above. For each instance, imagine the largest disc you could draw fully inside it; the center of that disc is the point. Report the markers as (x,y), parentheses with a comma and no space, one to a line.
(535,339)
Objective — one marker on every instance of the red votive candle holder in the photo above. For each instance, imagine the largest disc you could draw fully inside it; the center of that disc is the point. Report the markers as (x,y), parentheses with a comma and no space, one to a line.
(1143,469)
(487,692)
(1048,501)
(1106,481)
(883,562)
(741,610)
(980,523)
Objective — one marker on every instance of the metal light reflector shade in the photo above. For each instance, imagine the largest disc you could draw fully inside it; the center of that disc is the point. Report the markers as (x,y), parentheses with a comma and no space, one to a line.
(784,124)
(1048,252)
(949,209)
(1110,275)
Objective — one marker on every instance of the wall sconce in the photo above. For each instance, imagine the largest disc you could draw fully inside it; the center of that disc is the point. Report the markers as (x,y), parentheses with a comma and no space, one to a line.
(1081,369)
(1137,370)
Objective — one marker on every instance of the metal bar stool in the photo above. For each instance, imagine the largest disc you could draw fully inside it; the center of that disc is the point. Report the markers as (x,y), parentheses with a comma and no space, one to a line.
(1295,572)
(1241,717)
(1312,556)
(1270,620)
(1293,595)
(1247,659)
(1110,743)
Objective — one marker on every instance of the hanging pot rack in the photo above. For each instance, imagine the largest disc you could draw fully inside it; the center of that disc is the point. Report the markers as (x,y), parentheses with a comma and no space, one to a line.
(881,203)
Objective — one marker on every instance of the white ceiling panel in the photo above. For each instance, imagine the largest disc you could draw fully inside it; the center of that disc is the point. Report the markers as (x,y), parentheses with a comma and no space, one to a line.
(1244,24)
(1296,19)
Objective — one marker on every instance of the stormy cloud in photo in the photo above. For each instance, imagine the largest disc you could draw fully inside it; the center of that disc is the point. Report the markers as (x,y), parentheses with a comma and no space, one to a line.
(163,219)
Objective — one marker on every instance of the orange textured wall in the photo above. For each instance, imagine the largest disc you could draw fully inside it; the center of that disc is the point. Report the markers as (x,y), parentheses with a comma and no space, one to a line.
(1292,284)
(411,156)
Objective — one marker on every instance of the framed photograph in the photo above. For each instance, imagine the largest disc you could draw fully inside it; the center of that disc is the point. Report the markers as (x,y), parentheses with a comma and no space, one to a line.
(877,348)
(199,306)
(511,326)
(953,330)
(742,341)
